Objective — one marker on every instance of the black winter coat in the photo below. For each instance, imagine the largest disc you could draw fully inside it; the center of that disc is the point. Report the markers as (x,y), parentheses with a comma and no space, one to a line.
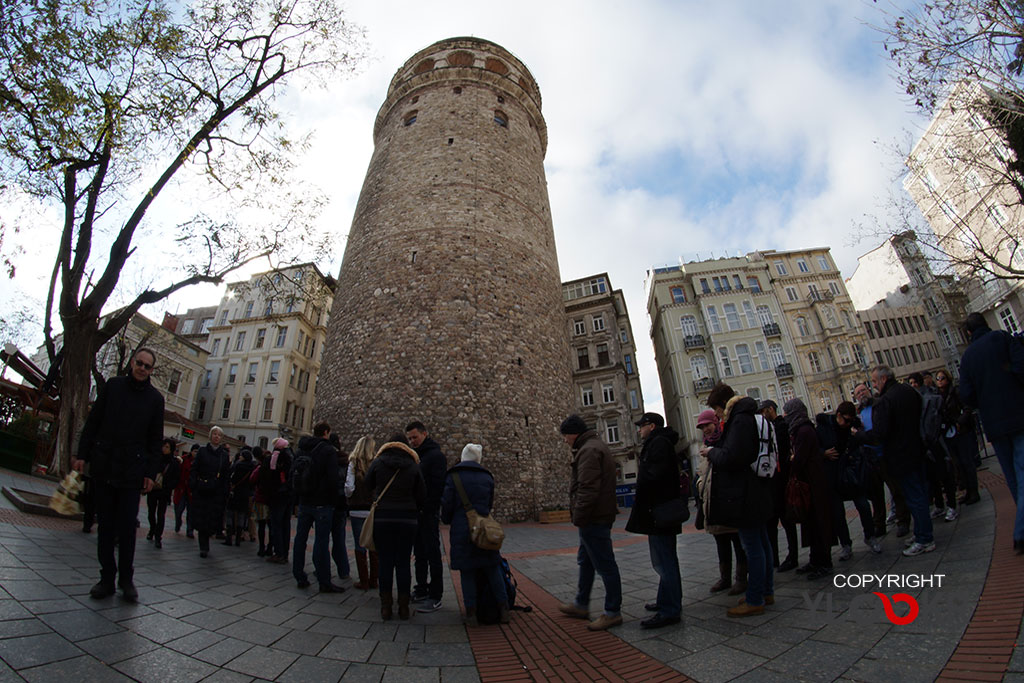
(479,486)
(170,468)
(241,487)
(209,481)
(739,498)
(433,466)
(325,472)
(992,379)
(123,434)
(407,494)
(896,427)
(657,481)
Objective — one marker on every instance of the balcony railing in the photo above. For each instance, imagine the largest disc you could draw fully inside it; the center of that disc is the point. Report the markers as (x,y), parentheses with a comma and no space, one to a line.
(772,330)
(826,295)
(703,385)
(784,370)
(694,341)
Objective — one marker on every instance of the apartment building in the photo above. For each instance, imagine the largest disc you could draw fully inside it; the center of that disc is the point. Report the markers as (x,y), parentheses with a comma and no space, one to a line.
(605,376)
(718,320)
(900,337)
(817,309)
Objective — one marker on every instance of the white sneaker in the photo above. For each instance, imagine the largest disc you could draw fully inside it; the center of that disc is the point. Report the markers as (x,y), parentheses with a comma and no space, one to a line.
(951,515)
(845,553)
(874,544)
(919,549)
(937,512)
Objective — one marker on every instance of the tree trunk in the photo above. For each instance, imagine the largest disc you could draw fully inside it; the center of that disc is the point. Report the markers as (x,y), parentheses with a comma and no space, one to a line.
(76,380)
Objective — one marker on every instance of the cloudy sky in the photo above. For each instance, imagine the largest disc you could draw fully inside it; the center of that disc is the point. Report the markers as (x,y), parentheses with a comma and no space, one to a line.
(677,129)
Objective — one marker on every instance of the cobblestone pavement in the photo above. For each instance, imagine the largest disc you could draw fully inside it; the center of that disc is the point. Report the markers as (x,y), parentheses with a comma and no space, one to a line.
(233,617)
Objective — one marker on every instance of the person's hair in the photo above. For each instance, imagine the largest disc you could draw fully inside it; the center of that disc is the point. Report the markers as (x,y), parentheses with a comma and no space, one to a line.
(145,349)
(362,455)
(917,377)
(864,384)
(399,437)
(172,443)
(417,425)
(884,370)
(942,373)
(320,429)
(215,428)
(847,409)
(720,395)
(974,321)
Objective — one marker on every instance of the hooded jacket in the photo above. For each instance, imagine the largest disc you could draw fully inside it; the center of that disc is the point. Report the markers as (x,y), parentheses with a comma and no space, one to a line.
(407,494)
(739,498)
(592,488)
(324,472)
(479,486)
(433,466)
(657,481)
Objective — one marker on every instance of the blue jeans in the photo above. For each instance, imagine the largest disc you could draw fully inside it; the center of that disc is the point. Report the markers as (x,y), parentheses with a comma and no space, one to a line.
(915,491)
(357,530)
(760,563)
(1010,453)
(320,518)
(596,555)
(339,550)
(666,563)
(181,508)
(494,579)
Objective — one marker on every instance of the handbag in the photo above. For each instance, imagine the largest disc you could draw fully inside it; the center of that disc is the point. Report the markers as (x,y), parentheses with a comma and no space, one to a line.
(798,500)
(671,512)
(484,531)
(366,535)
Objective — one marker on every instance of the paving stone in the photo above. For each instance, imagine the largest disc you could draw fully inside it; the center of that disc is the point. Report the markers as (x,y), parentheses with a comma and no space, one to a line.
(83,668)
(411,674)
(211,619)
(80,624)
(340,627)
(180,607)
(223,651)
(721,663)
(194,642)
(117,647)
(263,662)
(306,669)
(349,649)
(65,604)
(32,590)
(165,665)
(886,671)
(228,676)
(815,659)
(301,622)
(440,654)
(410,633)
(459,674)
(363,673)
(159,628)
(303,642)
(254,632)
(27,651)
(447,633)
(389,653)
(23,627)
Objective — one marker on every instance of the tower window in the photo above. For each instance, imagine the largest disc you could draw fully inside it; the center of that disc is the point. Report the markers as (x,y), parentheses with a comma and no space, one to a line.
(500,118)
(457,90)
(410,118)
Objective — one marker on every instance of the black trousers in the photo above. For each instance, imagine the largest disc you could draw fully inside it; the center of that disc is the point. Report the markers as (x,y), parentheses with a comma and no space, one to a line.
(157,504)
(116,512)
(428,557)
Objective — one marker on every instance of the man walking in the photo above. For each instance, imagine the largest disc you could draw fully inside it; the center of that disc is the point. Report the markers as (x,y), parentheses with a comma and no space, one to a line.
(315,481)
(657,483)
(593,510)
(121,443)
(992,379)
(433,467)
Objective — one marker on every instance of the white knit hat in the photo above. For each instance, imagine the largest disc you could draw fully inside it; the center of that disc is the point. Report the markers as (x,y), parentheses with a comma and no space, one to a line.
(472,451)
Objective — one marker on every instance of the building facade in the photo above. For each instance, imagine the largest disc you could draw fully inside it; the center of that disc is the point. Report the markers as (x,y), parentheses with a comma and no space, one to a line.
(900,337)
(605,375)
(265,344)
(718,320)
(449,307)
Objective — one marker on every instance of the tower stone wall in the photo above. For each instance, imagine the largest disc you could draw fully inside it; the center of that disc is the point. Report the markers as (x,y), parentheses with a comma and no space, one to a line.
(449,306)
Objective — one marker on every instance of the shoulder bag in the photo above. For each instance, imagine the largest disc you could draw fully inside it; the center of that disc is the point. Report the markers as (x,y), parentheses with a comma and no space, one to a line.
(484,531)
(366,535)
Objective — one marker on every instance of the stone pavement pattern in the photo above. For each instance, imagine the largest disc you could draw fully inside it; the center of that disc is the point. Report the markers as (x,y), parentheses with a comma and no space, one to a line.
(234,617)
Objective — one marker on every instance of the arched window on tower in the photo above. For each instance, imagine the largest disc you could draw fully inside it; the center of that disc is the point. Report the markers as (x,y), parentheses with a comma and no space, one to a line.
(501,118)
(410,118)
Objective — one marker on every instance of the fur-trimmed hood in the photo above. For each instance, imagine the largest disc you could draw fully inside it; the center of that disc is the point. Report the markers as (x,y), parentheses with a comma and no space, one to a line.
(398,445)
(739,404)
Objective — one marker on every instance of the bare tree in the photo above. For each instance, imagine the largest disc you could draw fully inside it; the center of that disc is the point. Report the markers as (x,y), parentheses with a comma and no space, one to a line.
(107,104)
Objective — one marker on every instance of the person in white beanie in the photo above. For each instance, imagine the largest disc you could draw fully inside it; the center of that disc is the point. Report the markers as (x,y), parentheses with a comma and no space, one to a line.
(470,560)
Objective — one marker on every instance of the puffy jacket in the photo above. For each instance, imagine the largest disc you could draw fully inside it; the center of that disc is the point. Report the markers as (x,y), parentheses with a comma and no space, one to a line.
(407,494)
(992,379)
(592,489)
(739,498)
(433,466)
(479,486)
(657,481)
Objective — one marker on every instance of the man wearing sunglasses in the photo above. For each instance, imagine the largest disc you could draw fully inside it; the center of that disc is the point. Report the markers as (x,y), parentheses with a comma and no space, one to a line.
(121,443)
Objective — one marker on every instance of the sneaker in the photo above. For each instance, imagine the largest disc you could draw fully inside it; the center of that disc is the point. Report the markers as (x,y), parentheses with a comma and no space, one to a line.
(951,515)
(891,519)
(788,564)
(574,611)
(937,512)
(875,544)
(428,605)
(909,542)
(101,590)
(419,595)
(919,549)
(604,622)
(845,552)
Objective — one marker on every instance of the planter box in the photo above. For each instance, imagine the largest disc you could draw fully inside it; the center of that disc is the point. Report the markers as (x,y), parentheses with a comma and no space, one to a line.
(16,452)
(554,517)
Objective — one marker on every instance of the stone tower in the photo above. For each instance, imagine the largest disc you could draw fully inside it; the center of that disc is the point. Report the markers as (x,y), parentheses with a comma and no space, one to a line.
(449,306)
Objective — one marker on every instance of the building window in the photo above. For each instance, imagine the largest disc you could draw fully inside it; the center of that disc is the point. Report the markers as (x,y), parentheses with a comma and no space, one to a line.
(583,358)
(743,356)
(215,349)
(250,377)
(704,286)
(791,294)
(844,353)
(787,392)
(602,354)
(611,431)
(716,326)
(754,284)
(823,263)
(201,410)
(248,309)
(224,318)
(830,317)
(699,367)
(598,323)
(888,330)
(688,324)
(207,378)
(678,296)
(501,118)
(834,287)
(623,335)
(801,265)
(634,400)
(780,268)
(293,375)
(282,336)
(826,401)
(269,310)
(261,335)
(186,327)
(226,410)
(888,357)
(754,393)
(723,358)
(762,356)
(205,327)
(232,373)
(802,326)
(587,395)
(814,361)
(867,327)
(246,406)
(409,118)
(1008,320)
(268,408)
(777,354)
(858,354)
(240,341)
(275,369)
(607,393)
(764,314)
(598,285)
(301,339)
(732,317)
(748,312)
(627,360)
(736,281)
(579,327)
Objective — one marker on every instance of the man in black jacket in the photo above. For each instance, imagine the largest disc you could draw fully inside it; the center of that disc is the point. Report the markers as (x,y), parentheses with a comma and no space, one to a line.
(315,481)
(657,483)
(121,442)
(434,467)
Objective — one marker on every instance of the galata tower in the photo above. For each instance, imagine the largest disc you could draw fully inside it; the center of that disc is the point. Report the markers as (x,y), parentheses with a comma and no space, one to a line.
(449,303)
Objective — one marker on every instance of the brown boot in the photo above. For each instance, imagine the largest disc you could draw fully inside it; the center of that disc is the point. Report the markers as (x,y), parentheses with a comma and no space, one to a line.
(385,606)
(403,607)
(364,581)
(373,568)
(503,615)
(724,577)
(740,584)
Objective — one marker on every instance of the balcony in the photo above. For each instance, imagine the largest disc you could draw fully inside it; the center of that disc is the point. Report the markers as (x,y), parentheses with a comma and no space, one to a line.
(772,330)
(784,370)
(694,341)
(817,296)
(703,385)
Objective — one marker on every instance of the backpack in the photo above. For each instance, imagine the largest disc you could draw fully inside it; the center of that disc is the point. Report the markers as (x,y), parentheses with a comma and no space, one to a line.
(486,604)
(302,477)
(767,461)
(931,417)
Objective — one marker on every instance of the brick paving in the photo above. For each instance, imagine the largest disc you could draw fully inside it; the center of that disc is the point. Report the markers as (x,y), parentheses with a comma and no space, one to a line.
(235,618)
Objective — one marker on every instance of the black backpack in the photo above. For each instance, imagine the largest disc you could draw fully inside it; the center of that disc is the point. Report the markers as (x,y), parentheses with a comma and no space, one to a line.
(302,478)
(487,611)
